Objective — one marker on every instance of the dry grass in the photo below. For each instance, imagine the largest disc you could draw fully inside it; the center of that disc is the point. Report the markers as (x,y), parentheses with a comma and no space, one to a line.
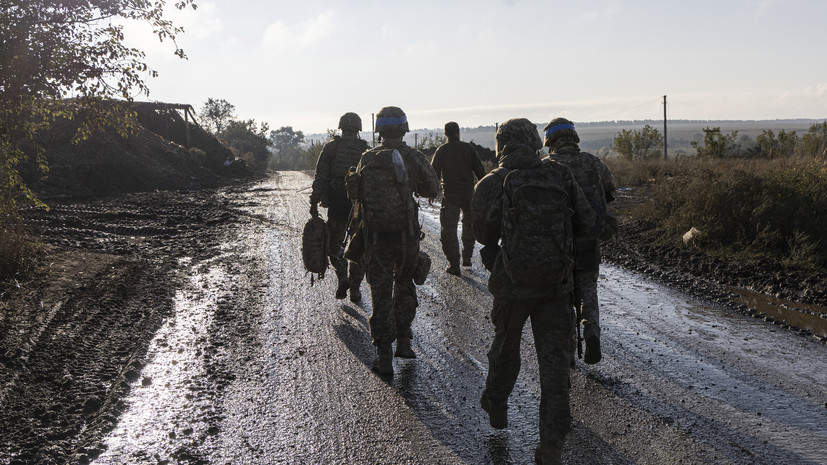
(761,208)
(18,249)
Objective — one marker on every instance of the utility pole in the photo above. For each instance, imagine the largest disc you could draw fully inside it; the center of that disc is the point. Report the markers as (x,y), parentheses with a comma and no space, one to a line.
(496,128)
(664,128)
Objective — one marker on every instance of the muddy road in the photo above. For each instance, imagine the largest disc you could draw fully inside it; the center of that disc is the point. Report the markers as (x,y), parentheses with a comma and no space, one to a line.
(185,331)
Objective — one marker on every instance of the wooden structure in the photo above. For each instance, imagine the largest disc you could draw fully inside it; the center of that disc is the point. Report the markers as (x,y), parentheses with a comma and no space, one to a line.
(188,110)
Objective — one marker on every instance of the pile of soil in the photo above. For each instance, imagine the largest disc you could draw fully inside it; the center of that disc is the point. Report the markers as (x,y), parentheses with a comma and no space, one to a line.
(166,152)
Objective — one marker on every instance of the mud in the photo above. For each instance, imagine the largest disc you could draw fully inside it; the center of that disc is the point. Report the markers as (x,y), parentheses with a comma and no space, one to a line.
(73,339)
(172,327)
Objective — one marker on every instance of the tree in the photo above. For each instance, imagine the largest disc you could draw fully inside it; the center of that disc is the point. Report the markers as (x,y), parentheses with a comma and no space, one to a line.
(248,139)
(770,146)
(54,49)
(217,113)
(430,142)
(717,145)
(814,143)
(284,139)
(634,144)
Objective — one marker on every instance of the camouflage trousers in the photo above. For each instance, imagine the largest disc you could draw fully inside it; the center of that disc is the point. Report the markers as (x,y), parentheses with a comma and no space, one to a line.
(551,324)
(390,270)
(449,215)
(346,270)
(585,298)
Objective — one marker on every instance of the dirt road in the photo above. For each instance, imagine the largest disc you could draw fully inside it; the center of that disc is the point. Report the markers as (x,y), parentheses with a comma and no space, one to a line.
(196,339)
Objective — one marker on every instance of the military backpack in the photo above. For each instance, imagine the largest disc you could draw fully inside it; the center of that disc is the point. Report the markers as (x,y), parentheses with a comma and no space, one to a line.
(386,197)
(315,246)
(537,236)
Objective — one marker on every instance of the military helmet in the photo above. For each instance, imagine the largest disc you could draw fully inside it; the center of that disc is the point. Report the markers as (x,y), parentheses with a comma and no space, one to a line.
(559,128)
(350,120)
(391,119)
(518,130)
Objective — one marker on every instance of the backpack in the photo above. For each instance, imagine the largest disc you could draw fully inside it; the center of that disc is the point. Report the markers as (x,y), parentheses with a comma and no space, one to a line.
(586,171)
(537,237)
(386,197)
(315,245)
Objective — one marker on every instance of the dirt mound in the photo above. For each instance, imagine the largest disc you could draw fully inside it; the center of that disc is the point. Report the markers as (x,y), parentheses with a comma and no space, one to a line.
(166,153)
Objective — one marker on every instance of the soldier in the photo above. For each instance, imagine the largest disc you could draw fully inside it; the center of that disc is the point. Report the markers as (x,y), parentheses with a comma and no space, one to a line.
(532,208)
(336,158)
(456,163)
(388,178)
(598,184)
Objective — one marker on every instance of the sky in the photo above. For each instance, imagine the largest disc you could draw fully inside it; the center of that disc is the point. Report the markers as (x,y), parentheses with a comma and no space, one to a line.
(303,63)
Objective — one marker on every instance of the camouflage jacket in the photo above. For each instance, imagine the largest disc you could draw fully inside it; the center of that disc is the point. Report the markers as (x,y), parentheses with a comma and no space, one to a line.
(337,156)
(486,208)
(457,163)
(569,156)
(598,184)
(422,179)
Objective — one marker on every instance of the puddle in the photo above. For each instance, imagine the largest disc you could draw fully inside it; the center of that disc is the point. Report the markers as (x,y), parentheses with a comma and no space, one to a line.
(785,311)
(164,404)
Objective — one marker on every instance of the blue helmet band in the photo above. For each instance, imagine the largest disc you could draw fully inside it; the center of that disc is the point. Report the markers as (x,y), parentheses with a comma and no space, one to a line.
(558,127)
(391,121)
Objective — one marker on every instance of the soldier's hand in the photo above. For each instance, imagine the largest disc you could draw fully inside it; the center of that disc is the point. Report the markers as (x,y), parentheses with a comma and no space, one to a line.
(314,210)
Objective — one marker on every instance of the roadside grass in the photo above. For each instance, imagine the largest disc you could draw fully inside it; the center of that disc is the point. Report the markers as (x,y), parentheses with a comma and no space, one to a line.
(750,209)
(18,249)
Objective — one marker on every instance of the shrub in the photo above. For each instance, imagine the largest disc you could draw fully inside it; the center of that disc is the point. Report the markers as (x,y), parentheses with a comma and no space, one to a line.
(774,208)
(17,249)
(646,143)
(814,143)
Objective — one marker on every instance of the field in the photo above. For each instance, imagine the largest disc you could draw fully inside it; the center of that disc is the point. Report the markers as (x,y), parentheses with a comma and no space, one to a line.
(597,137)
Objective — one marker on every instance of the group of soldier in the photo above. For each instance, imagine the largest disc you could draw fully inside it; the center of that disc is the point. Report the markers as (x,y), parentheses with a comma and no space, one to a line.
(544,269)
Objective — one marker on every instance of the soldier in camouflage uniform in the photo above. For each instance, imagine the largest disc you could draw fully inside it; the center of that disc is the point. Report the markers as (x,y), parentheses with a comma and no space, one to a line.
(597,182)
(336,158)
(549,306)
(392,252)
(456,163)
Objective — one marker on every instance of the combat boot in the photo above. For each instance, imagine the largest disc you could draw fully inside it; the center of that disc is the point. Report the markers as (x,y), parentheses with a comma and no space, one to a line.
(497,412)
(341,274)
(592,354)
(548,455)
(403,348)
(466,259)
(341,291)
(384,360)
(355,295)
(453,269)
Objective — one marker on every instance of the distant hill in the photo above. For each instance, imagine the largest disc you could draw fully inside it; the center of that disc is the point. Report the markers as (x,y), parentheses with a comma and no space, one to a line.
(597,136)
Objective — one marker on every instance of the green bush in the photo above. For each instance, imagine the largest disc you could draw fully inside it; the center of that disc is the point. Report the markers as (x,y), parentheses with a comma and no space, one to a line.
(774,208)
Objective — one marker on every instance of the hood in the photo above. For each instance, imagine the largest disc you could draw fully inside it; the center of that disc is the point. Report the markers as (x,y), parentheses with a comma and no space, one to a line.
(519,156)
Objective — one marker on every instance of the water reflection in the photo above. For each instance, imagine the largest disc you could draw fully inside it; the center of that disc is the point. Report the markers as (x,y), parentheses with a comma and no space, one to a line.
(161,420)
(785,311)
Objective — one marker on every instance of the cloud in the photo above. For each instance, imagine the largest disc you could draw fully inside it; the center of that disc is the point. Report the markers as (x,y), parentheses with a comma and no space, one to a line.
(281,36)
(199,24)
(607,13)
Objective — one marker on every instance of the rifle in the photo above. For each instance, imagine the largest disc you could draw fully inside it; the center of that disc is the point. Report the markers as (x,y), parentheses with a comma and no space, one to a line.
(351,229)
(577,316)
